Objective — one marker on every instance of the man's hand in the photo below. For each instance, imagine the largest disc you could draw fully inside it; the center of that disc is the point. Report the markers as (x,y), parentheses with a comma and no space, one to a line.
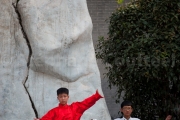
(97,92)
(168,117)
(36,119)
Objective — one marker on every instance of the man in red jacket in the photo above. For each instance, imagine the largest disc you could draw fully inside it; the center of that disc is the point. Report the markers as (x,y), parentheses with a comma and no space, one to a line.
(69,112)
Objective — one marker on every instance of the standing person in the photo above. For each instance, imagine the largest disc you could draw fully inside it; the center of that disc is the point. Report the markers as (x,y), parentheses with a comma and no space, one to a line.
(69,112)
(126,110)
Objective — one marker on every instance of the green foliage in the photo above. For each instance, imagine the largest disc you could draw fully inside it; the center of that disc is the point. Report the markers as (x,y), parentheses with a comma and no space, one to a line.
(119,1)
(142,54)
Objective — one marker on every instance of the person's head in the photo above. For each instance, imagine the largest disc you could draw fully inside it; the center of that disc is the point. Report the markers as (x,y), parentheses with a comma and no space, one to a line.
(126,108)
(63,95)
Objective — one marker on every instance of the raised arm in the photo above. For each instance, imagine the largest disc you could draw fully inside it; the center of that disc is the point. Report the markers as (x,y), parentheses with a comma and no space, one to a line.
(88,102)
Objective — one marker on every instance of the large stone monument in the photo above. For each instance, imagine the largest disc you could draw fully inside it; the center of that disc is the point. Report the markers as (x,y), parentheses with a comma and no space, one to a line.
(45,45)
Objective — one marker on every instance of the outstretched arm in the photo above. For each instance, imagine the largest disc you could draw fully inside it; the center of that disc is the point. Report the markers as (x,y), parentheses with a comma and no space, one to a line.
(48,116)
(88,102)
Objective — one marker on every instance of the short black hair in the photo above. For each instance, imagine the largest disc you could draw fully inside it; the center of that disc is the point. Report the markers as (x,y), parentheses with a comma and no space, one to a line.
(62,90)
(126,103)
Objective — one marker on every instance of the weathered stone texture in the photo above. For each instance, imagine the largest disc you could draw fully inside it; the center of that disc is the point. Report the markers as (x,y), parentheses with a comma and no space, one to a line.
(46,45)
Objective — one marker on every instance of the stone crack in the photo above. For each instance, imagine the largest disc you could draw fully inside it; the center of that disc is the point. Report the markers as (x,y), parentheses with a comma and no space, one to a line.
(29,56)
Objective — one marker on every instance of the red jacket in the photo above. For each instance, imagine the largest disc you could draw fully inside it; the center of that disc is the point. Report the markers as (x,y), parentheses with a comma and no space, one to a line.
(73,111)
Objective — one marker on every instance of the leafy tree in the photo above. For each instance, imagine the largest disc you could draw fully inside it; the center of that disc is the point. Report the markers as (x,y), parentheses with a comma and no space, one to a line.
(142,56)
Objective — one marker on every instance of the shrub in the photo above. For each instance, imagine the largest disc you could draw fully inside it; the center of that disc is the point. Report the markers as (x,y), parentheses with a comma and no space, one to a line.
(142,56)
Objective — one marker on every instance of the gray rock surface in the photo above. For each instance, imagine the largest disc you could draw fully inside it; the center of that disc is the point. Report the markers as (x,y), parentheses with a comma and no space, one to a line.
(14,100)
(47,45)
